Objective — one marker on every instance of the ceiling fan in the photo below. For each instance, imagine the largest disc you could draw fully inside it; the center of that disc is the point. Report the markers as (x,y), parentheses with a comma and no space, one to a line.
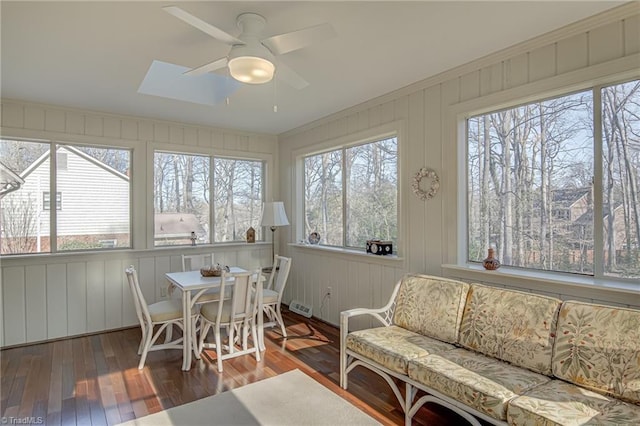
(251,59)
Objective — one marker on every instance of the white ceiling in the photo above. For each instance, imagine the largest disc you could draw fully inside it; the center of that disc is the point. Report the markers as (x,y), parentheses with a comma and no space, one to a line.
(93,55)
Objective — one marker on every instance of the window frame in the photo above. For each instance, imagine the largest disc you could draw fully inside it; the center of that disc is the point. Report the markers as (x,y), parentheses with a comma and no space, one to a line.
(54,144)
(458,116)
(392,129)
(152,148)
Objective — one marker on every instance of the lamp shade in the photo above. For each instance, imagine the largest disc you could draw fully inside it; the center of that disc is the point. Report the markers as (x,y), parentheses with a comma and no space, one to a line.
(273,214)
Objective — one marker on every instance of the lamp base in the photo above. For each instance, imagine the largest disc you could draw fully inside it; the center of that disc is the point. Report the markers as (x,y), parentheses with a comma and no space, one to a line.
(273,244)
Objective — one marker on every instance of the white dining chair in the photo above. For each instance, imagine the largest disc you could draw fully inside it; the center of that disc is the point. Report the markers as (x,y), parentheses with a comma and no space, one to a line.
(165,314)
(195,262)
(237,314)
(272,294)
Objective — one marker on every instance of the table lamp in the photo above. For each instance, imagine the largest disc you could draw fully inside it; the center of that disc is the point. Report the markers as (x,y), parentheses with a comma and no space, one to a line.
(273,215)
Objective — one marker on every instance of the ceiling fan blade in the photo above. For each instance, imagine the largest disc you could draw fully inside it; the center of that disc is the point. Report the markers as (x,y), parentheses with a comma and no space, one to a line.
(295,40)
(205,27)
(211,66)
(289,76)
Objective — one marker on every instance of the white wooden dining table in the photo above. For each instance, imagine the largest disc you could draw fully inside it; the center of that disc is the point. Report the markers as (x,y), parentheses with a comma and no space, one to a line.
(193,285)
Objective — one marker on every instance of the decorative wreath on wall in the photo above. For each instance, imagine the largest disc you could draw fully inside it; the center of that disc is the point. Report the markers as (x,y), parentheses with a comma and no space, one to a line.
(433,187)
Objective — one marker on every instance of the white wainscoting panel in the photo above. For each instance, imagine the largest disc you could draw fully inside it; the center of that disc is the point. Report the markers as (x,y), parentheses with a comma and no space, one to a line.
(50,297)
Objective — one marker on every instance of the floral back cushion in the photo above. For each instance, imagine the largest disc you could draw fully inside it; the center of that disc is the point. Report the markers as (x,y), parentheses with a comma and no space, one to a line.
(431,306)
(510,325)
(598,347)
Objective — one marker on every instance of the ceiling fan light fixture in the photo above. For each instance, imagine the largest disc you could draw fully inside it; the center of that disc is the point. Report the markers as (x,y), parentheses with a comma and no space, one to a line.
(251,69)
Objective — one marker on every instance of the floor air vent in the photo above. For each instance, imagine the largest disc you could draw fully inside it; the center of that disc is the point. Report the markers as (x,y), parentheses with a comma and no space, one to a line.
(300,308)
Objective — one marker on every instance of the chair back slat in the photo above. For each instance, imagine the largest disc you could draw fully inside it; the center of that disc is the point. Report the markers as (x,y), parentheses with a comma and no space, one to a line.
(241,286)
(142,311)
(196,262)
(283,273)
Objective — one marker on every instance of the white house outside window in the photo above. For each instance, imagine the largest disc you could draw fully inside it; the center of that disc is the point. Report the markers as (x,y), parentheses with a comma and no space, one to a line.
(96,186)
(550,191)
(187,194)
(351,194)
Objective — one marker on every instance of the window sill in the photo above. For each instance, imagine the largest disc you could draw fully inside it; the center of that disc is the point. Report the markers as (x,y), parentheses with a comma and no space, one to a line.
(358,255)
(554,284)
(126,253)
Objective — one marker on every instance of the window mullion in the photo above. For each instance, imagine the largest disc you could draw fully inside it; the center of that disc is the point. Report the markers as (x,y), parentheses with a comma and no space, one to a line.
(212,208)
(344,197)
(53,189)
(598,192)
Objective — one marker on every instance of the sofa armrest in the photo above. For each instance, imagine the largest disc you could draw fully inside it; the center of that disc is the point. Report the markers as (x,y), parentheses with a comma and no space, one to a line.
(382,314)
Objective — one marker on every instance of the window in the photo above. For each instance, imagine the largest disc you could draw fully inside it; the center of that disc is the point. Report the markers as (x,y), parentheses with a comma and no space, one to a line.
(237,198)
(183,190)
(537,194)
(97,190)
(351,194)
(46,200)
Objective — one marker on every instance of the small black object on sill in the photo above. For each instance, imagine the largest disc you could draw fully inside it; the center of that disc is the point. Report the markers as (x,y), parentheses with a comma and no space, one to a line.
(380,248)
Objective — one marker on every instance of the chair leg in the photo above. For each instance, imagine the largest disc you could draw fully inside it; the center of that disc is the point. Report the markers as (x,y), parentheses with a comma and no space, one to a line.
(280,321)
(194,338)
(145,349)
(245,335)
(204,329)
(218,348)
(232,337)
(142,340)
(256,344)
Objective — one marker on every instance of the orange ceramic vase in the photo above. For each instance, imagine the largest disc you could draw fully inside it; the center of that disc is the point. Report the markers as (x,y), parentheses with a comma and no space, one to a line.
(491,263)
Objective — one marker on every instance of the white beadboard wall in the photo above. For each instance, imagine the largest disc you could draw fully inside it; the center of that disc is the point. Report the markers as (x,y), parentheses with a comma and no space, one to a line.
(56,296)
(52,296)
(588,51)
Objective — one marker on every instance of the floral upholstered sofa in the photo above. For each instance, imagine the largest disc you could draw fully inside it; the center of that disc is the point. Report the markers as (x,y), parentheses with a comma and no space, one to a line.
(503,356)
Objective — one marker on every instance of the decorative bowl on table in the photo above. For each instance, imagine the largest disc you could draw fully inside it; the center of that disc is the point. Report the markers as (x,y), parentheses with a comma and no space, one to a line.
(211,271)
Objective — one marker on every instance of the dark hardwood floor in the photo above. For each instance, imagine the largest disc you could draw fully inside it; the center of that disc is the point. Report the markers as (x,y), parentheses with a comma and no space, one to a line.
(94,380)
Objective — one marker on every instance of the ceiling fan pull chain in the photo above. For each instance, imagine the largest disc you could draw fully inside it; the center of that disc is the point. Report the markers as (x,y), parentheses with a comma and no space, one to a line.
(275,96)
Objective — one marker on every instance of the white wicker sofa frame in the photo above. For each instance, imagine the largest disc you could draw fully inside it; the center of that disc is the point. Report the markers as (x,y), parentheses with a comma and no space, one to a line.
(503,356)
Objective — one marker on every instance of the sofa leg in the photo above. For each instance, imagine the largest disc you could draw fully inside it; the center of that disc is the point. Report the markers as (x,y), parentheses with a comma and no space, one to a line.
(408,400)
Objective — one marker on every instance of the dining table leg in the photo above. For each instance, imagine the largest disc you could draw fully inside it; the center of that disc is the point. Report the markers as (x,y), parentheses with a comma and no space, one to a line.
(186,341)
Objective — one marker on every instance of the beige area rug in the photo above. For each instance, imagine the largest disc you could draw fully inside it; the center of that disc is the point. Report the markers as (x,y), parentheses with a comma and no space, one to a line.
(292,398)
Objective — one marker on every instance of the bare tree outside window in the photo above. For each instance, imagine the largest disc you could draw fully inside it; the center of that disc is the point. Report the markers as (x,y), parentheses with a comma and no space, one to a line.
(358,183)
(372,192)
(530,183)
(237,198)
(22,220)
(181,198)
(182,187)
(323,196)
(621,178)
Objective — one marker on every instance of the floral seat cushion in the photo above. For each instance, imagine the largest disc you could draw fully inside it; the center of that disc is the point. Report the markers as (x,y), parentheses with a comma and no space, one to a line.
(483,383)
(431,306)
(561,403)
(598,347)
(393,346)
(510,325)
